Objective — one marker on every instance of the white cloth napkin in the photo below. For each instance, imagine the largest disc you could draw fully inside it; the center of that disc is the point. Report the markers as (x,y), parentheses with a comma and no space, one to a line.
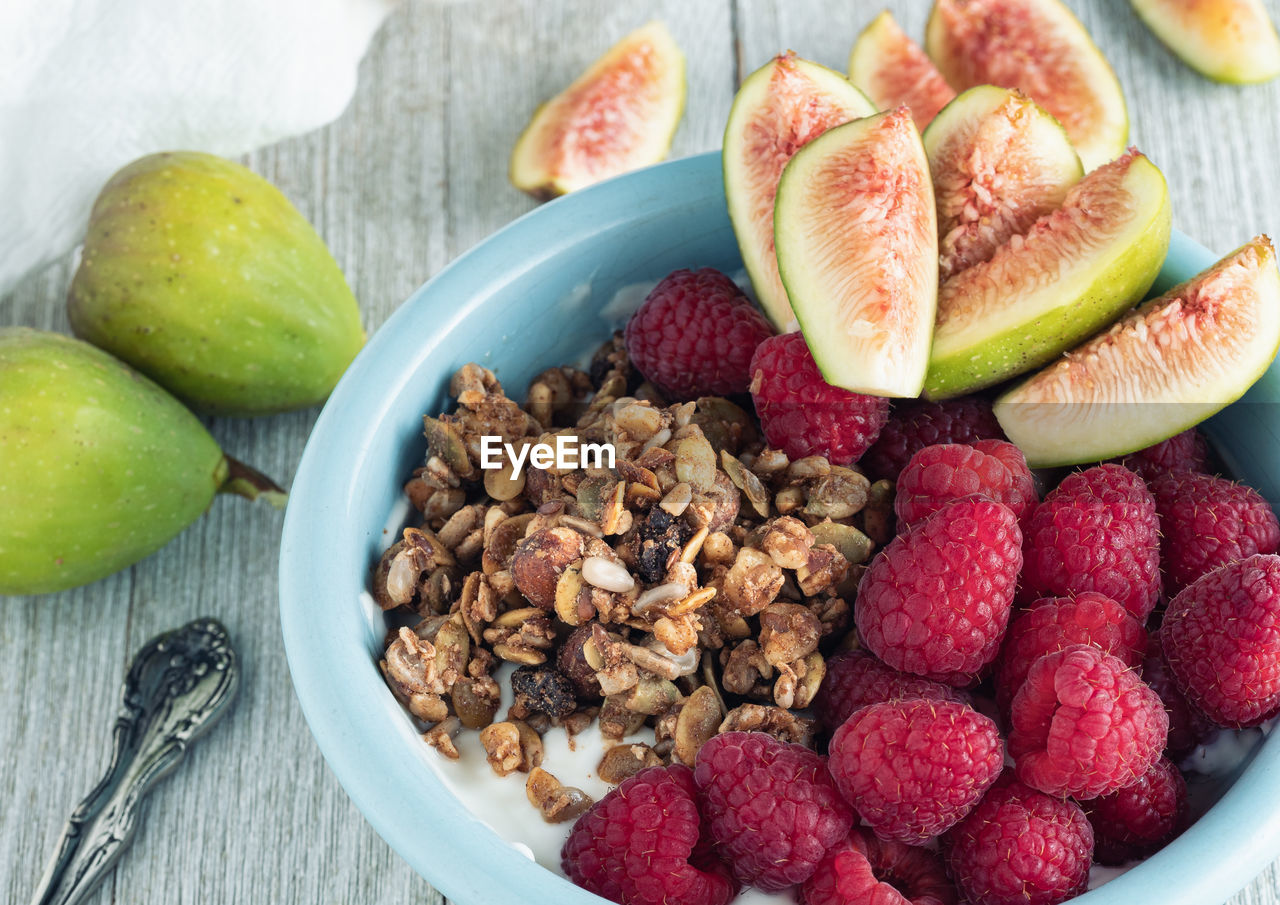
(88,85)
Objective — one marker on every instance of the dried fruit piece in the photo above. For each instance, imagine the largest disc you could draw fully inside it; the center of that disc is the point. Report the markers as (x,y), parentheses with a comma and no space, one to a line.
(893,71)
(1227,40)
(1167,366)
(203,276)
(779,108)
(999,162)
(856,232)
(1071,274)
(619,115)
(105,467)
(1040,48)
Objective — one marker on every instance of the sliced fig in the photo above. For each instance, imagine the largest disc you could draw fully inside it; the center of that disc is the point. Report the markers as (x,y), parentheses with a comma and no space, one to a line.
(619,115)
(857,242)
(781,106)
(1168,365)
(1040,48)
(999,163)
(1069,276)
(892,70)
(1227,40)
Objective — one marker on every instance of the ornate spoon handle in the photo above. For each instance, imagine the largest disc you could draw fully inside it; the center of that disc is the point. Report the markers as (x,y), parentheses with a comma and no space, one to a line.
(178,686)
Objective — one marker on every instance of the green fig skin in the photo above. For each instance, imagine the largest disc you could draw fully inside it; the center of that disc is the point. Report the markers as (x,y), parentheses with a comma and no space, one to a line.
(98,466)
(202,275)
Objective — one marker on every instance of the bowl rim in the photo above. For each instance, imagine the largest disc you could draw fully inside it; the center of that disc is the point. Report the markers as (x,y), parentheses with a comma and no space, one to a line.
(460,855)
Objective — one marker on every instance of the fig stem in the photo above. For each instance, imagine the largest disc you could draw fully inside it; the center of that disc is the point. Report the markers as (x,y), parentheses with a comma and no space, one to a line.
(246,481)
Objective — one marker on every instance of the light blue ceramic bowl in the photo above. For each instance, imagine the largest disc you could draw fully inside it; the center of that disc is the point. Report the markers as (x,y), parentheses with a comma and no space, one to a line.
(525,299)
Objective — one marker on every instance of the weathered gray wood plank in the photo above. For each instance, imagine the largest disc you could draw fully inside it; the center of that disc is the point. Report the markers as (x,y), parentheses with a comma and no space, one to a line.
(413,174)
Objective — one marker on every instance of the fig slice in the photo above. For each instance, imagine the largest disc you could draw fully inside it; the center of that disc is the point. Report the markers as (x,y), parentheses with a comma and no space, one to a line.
(1074,272)
(780,107)
(1040,48)
(892,70)
(857,242)
(999,163)
(1227,40)
(1166,366)
(619,115)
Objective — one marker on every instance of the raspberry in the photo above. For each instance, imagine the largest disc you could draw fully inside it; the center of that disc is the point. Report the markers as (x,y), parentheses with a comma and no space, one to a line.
(641,844)
(951,471)
(1021,847)
(1097,531)
(801,413)
(935,602)
(1221,638)
(772,807)
(1024,496)
(1053,623)
(1084,724)
(1206,522)
(913,769)
(862,870)
(694,335)
(1140,818)
(855,679)
(1186,451)
(1187,726)
(917,424)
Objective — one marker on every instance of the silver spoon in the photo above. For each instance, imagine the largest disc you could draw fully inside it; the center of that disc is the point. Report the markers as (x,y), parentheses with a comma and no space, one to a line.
(178,686)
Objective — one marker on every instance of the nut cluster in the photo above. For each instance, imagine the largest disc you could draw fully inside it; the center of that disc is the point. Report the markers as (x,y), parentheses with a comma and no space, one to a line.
(696,587)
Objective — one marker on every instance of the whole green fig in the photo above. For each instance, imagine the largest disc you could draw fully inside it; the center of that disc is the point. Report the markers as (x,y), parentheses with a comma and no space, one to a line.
(202,275)
(98,466)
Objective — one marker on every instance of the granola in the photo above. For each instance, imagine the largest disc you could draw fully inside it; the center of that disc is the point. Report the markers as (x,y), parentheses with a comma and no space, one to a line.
(695,585)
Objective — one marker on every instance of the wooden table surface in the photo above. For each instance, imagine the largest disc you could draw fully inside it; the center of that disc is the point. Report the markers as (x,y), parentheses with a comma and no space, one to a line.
(410,176)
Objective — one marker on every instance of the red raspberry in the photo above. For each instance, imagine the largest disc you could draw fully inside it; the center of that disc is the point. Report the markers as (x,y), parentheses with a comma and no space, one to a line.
(1084,724)
(913,769)
(935,602)
(1186,451)
(1187,726)
(855,679)
(1097,531)
(641,844)
(1053,623)
(772,807)
(694,335)
(1221,638)
(1142,817)
(951,471)
(915,424)
(801,413)
(1021,847)
(862,870)
(1024,496)
(1206,522)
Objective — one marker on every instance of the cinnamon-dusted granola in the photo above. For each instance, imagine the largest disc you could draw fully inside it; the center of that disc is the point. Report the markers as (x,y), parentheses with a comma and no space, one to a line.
(695,584)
